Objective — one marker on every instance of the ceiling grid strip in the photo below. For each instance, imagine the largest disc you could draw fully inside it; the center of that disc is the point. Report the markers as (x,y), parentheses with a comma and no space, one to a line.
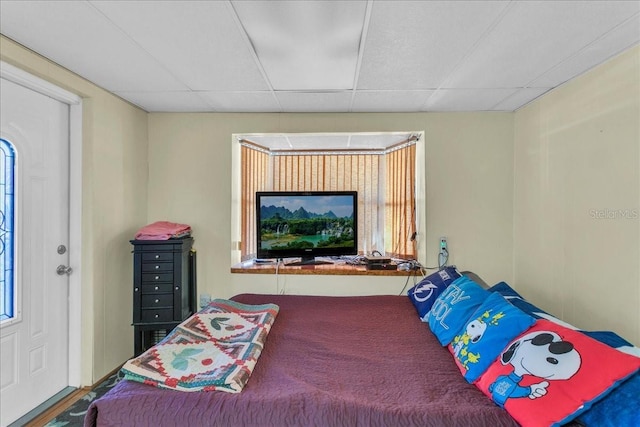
(363,42)
(253,52)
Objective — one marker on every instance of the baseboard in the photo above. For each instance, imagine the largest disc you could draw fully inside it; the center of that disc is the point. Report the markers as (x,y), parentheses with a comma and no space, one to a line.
(103,379)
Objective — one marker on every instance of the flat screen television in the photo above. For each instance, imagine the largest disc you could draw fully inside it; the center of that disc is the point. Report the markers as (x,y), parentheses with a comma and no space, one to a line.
(306,224)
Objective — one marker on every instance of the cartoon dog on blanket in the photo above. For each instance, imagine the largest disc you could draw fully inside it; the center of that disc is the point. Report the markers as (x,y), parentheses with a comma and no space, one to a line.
(542,354)
(473,333)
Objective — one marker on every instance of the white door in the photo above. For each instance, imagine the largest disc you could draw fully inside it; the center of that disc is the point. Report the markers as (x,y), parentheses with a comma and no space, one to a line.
(34,343)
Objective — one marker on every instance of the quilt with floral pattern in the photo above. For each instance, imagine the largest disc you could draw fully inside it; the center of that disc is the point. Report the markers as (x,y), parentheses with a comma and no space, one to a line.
(216,349)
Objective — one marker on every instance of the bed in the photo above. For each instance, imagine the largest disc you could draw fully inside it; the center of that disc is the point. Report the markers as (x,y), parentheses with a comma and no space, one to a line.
(328,361)
(389,360)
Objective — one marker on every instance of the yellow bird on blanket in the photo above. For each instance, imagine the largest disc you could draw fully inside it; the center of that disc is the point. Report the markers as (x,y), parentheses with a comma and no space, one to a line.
(473,357)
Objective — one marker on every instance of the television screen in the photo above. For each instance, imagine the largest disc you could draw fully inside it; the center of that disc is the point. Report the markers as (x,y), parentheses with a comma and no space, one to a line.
(312,224)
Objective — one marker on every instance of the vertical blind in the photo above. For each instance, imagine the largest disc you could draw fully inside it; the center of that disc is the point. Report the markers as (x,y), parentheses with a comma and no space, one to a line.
(384,182)
(255,166)
(400,203)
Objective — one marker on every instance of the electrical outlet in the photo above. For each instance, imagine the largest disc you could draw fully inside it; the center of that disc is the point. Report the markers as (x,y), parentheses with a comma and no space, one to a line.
(443,244)
(205,299)
(443,255)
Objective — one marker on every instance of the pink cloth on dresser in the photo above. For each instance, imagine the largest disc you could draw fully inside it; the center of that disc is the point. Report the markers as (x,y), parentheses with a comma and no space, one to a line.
(163,230)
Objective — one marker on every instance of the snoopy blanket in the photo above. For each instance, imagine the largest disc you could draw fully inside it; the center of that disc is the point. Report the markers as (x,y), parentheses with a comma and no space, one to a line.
(550,374)
(216,349)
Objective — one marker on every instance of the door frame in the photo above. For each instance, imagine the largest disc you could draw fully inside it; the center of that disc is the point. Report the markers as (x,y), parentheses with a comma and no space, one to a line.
(23,78)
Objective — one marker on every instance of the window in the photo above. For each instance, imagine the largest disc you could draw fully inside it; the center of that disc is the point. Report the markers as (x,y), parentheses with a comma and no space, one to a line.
(385,178)
(7,244)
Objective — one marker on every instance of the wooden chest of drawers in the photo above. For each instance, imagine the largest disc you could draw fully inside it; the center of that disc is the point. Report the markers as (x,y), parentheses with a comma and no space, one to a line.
(164,287)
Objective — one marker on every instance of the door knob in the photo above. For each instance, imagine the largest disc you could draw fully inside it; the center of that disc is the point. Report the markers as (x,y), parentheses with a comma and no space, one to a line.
(63,269)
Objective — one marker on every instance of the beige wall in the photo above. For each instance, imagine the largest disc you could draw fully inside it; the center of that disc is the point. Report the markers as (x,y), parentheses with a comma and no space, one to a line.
(469,185)
(577,157)
(114,204)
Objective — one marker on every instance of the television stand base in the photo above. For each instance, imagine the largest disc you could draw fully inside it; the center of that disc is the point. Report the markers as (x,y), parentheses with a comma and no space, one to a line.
(307,261)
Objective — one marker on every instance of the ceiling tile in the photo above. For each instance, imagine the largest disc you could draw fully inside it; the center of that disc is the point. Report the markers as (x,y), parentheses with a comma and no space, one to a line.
(466,99)
(377,140)
(77,36)
(519,98)
(305,44)
(530,40)
(315,142)
(166,101)
(416,44)
(241,101)
(313,102)
(394,101)
(612,43)
(200,44)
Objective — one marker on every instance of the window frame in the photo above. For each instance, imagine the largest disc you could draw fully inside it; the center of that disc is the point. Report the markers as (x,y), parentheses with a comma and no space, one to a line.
(419,195)
(9,310)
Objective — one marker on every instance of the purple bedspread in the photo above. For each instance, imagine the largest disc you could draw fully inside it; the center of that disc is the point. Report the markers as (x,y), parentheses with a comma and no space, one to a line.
(328,361)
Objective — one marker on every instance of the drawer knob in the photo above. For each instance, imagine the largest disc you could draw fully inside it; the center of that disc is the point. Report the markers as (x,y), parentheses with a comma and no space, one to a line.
(157,301)
(177,287)
(157,277)
(157,267)
(135,289)
(157,287)
(157,256)
(156,316)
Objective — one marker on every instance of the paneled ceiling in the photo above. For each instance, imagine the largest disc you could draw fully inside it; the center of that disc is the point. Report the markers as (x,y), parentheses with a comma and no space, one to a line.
(325,56)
